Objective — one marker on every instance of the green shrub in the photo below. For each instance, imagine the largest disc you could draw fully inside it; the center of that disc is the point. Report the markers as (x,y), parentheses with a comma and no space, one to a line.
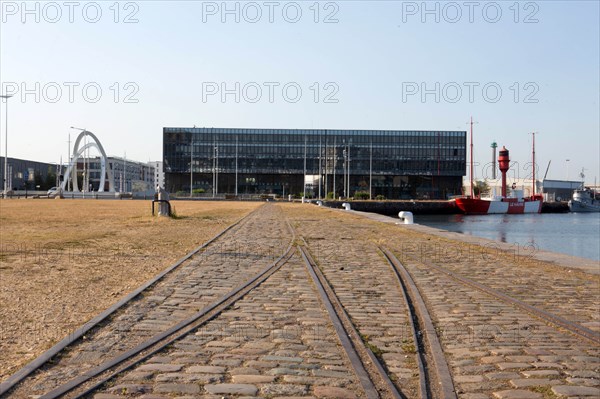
(380,197)
(198,191)
(361,195)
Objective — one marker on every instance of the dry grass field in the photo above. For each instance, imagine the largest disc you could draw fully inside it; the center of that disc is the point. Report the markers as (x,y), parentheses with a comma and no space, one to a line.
(64,261)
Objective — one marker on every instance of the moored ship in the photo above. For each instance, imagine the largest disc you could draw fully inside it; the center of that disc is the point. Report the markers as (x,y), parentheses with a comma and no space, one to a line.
(502,204)
(584,201)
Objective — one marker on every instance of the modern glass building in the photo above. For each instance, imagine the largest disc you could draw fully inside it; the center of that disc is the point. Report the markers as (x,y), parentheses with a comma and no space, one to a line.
(395,164)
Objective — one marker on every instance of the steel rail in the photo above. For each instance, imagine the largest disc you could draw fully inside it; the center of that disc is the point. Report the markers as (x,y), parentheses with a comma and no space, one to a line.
(38,362)
(421,318)
(160,341)
(349,336)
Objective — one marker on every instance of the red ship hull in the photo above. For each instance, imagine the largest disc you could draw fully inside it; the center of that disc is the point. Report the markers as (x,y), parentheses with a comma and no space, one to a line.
(477,206)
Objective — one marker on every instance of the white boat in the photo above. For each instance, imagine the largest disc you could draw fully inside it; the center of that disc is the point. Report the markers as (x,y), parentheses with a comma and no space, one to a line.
(584,201)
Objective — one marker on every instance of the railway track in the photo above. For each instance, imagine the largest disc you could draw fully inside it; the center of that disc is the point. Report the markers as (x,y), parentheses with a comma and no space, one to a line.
(147,313)
(557,321)
(434,380)
(570,294)
(369,370)
(250,316)
(497,339)
(96,378)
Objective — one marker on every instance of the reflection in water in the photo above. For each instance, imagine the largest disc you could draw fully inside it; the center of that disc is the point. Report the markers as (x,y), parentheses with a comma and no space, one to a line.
(574,234)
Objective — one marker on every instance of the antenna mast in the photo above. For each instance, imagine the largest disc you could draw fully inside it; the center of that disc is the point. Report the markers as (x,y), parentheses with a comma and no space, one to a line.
(472,157)
(533,160)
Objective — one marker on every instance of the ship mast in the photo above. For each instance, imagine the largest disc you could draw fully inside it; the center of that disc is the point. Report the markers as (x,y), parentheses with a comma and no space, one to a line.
(472,157)
(533,161)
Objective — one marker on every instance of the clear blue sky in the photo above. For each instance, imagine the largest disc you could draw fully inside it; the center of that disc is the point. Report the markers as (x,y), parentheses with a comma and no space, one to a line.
(374,61)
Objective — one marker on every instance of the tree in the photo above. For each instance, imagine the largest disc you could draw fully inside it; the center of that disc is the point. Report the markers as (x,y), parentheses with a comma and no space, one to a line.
(50,181)
(481,188)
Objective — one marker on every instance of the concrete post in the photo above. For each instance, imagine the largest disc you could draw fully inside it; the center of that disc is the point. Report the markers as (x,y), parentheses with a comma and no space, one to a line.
(163,207)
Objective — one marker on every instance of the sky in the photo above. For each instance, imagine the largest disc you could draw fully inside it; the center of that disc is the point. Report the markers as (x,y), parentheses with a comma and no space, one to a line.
(124,70)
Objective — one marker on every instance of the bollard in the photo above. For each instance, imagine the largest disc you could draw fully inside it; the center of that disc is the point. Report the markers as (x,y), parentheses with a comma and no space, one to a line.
(406,217)
(319,203)
(346,206)
(164,207)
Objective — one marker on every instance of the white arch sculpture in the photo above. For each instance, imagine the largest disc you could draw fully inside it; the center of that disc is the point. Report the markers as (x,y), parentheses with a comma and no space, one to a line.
(105,165)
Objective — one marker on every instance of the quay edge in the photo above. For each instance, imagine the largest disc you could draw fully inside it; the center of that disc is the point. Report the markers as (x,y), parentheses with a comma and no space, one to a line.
(427,207)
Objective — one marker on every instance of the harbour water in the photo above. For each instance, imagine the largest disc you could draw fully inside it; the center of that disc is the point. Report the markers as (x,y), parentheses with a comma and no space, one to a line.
(576,234)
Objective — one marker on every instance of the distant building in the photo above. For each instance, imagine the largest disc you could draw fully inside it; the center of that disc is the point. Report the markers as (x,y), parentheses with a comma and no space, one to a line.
(391,163)
(23,172)
(159,174)
(560,190)
(129,175)
(495,185)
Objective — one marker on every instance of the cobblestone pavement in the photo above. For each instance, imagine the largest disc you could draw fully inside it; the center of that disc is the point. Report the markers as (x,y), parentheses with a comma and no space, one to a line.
(495,350)
(368,290)
(278,342)
(570,294)
(275,342)
(231,260)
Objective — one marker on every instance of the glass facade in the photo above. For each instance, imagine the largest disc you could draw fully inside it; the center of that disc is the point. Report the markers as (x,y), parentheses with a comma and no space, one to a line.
(395,164)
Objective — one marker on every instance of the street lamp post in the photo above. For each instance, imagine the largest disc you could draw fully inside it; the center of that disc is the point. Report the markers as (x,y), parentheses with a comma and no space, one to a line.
(6,97)
(348,178)
(192,168)
(345,155)
(568,168)
(236,166)
(304,183)
(371,172)
(215,170)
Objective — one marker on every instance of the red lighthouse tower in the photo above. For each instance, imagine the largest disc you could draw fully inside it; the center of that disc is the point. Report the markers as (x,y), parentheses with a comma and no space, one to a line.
(503,163)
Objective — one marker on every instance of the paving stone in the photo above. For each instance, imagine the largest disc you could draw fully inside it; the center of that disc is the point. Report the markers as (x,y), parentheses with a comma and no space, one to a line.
(286,371)
(512,365)
(333,392)
(189,377)
(206,369)
(539,373)
(468,378)
(517,394)
(283,389)
(165,368)
(226,362)
(244,371)
(574,390)
(138,375)
(548,365)
(282,359)
(129,389)
(591,382)
(232,389)
(582,373)
(252,379)
(329,373)
(529,382)
(492,359)
(177,388)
